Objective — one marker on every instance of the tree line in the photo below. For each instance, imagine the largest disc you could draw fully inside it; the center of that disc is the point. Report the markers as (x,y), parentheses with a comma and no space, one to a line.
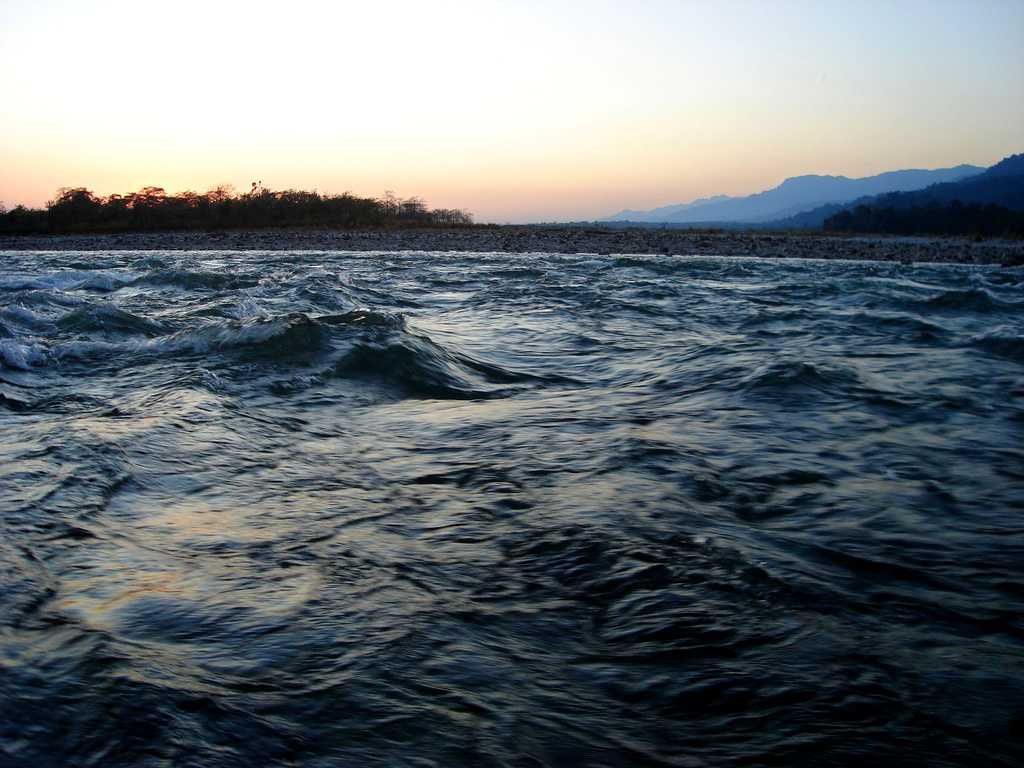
(77,209)
(954,218)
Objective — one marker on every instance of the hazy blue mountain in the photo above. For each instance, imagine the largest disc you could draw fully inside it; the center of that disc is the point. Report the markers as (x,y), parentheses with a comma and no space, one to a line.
(795,195)
(1002,184)
(665,213)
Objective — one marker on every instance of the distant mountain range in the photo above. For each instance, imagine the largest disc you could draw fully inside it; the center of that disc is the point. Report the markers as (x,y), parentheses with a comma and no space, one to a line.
(794,196)
(990,204)
(1002,184)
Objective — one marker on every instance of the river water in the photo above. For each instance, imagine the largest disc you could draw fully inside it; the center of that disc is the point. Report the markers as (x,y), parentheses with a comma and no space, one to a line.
(438,509)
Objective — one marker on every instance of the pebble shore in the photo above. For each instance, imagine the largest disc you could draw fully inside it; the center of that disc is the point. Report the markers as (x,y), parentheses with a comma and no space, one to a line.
(537,239)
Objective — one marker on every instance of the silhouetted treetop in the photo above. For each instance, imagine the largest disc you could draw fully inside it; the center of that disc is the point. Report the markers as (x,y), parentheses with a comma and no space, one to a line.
(77,209)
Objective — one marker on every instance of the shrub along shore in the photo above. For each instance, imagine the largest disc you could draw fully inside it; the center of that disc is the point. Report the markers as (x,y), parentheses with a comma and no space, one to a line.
(151,209)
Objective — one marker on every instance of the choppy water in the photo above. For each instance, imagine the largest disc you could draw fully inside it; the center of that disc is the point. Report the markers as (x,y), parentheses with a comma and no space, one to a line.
(450,509)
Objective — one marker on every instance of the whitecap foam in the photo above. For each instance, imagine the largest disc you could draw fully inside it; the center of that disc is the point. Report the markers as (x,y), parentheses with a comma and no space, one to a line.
(247,308)
(68,280)
(24,316)
(15,354)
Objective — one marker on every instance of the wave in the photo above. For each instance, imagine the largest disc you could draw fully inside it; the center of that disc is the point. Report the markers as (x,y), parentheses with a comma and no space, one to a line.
(105,282)
(691,266)
(295,336)
(24,582)
(909,325)
(49,297)
(376,346)
(21,356)
(364,318)
(106,318)
(13,403)
(790,293)
(969,300)
(1005,278)
(287,338)
(197,279)
(151,262)
(25,317)
(797,377)
(1002,342)
(276,338)
(420,367)
(798,317)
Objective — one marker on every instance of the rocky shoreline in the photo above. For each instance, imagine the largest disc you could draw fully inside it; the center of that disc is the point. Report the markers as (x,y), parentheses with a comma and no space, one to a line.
(537,239)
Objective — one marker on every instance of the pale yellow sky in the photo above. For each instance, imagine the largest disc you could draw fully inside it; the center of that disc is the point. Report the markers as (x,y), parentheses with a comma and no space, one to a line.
(516,111)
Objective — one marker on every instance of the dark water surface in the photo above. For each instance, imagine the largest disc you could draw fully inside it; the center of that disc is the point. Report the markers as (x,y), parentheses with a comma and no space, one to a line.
(422,509)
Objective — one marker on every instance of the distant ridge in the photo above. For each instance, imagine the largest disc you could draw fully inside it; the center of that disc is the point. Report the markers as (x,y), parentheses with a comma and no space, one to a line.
(667,212)
(793,196)
(988,205)
(1008,166)
(1002,184)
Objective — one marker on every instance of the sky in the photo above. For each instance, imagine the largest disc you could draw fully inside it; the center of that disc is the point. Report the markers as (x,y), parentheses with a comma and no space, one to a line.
(517,110)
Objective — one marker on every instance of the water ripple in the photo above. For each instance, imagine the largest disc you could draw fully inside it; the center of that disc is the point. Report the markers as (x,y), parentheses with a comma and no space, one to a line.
(319,508)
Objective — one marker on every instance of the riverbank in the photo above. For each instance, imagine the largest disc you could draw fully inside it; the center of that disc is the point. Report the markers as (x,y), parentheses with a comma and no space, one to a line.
(525,239)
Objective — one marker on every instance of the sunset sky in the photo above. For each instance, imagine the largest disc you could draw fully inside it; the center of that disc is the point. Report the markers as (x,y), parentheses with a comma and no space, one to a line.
(528,110)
